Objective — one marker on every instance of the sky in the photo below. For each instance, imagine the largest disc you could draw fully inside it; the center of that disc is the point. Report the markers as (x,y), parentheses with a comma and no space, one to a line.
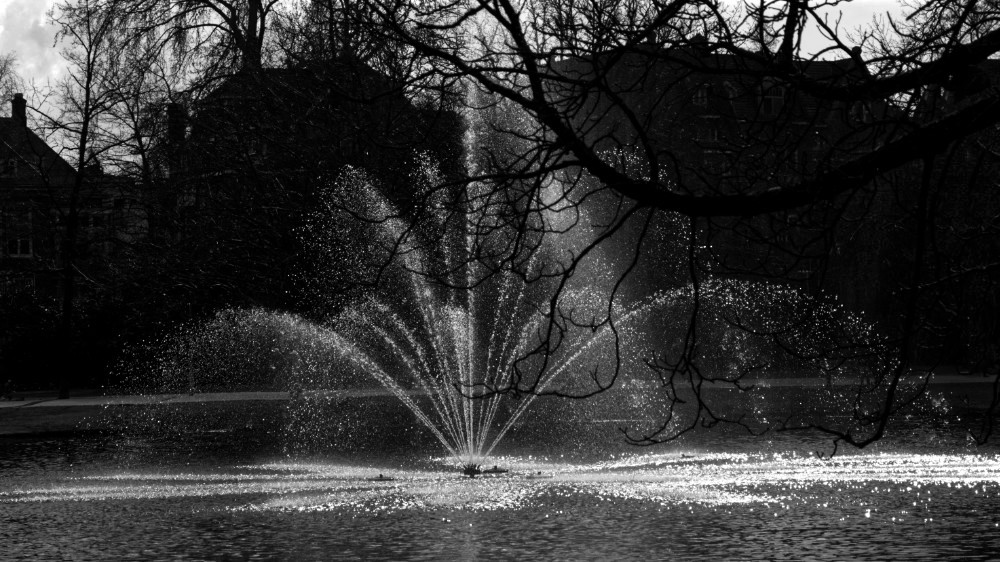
(25,31)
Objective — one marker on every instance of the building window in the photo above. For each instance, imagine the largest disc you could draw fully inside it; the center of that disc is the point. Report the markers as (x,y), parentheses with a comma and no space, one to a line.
(802,159)
(13,283)
(700,97)
(16,234)
(731,94)
(19,247)
(708,128)
(708,132)
(861,112)
(715,162)
(773,101)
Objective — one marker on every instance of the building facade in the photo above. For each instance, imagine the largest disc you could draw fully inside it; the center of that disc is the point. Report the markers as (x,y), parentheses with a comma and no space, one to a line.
(39,193)
(709,123)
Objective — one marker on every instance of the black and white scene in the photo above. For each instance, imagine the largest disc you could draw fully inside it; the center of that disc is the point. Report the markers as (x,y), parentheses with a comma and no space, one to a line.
(305,280)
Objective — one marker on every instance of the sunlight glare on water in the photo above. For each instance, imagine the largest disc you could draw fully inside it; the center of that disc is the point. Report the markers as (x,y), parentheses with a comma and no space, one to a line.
(659,478)
(777,506)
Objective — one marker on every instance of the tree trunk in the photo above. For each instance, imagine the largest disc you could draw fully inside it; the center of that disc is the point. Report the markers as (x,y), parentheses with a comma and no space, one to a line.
(67,324)
(252,46)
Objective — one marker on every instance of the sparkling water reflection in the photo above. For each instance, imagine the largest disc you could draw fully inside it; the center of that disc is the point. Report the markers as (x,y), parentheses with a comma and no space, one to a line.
(668,505)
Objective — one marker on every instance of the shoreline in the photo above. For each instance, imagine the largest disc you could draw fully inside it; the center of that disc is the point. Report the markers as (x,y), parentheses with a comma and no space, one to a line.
(43,413)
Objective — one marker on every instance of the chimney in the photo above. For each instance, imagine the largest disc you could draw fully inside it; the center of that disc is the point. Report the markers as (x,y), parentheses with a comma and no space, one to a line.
(176,124)
(17,110)
(176,132)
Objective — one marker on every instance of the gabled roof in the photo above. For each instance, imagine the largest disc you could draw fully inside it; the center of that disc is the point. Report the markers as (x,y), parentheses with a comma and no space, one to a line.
(652,79)
(636,67)
(321,115)
(303,86)
(38,165)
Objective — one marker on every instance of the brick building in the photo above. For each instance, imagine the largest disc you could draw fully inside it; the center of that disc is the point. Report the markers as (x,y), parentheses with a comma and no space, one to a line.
(242,167)
(36,191)
(714,123)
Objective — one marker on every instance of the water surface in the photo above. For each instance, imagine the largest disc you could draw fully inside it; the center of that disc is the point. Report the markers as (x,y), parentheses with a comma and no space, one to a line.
(91,497)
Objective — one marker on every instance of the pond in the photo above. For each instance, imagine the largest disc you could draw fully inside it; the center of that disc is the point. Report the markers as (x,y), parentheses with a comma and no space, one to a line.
(233,492)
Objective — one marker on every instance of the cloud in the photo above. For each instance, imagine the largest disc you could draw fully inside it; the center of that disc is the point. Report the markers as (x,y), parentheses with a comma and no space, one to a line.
(25,31)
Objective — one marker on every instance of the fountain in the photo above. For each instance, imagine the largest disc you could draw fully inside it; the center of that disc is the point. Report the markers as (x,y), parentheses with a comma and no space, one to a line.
(441,344)
(443,333)
(438,350)
(441,349)
(439,355)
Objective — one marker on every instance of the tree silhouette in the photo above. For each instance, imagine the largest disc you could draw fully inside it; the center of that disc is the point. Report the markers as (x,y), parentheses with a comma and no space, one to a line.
(764,136)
